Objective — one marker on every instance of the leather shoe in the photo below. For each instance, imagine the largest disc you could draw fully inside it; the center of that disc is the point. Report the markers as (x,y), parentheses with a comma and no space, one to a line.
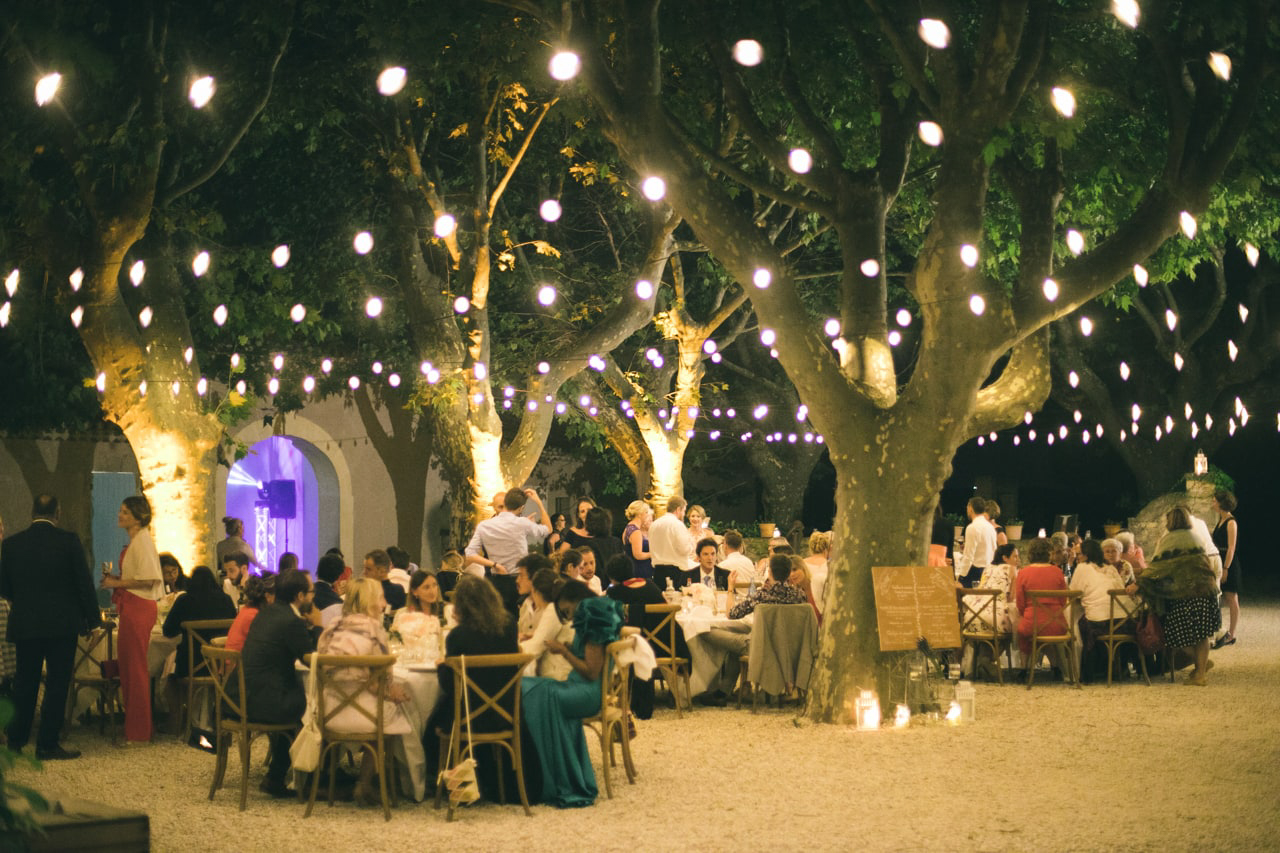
(58,753)
(277,790)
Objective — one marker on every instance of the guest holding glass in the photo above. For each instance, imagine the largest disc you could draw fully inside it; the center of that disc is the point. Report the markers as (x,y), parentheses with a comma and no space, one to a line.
(554,710)
(136,590)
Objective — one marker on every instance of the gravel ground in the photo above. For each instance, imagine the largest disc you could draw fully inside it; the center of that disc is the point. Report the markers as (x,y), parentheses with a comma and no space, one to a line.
(1161,768)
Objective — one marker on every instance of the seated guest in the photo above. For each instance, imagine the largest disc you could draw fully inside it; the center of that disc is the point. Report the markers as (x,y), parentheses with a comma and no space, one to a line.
(777,590)
(174,579)
(424,602)
(235,571)
(707,572)
(278,638)
(1111,554)
(1040,574)
(258,593)
(530,609)
(738,564)
(587,570)
(819,550)
(484,628)
(327,600)
(603,545)
(1094,577)
(569,563)
(634,594)
(358,631)
(777,546)
(449,571)
(554,710)
(400,563)
(543,588)
(803,581)
(202,600)
(998,576)
(1131,551)
(288,560)
(377,566)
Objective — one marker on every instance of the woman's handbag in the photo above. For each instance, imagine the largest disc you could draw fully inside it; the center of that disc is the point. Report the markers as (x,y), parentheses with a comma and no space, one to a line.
(1150,633)
(460,779)
(305,751)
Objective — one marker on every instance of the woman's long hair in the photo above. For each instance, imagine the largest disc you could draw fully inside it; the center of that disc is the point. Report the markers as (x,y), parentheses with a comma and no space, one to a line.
(477,605)
(418,579)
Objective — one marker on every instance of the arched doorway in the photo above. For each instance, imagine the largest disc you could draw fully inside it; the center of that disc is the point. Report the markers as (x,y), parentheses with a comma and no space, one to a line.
(285,491)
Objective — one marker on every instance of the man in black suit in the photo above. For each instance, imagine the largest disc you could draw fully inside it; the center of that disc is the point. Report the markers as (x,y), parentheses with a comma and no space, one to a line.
(328,570)
(707,572)
(45,578)
(278,637)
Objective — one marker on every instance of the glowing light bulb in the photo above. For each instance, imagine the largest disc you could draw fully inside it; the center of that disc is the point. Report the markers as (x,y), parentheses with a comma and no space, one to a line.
(1086,326)
(77,315)
(1140,275)
(768,337)
(1063,432)
(930,133)
(326,366)
(461,305)
(644,289)
(280,255)
(142,388)
(894,338)
(76,279)
(308,384)
(5,310)
(760,411)
(220,315)
(235,360)
(137,272)
(1208,421)
(564,65)
(353,383)
(1124,371)
(550,210)
(277,361)
(1177,361)
(1221,65)
(1127,12)
(708,346)
(903,317)
(144,316)
(1073,379)
(546,295)
(433,376)
(445,225)
(1170,319)
(969,255)
(363,243)
(101,382)
(1188,224)
(201,92)
(870,267)
(1050,289)
(748,52)
(1232,350)
(761,278)
(11,283)
(47,88)
(1244,312)
(1063,101)
(977,304)
(1135,412)
(392,80)
(1077,415)
(800,161)
(176,387)
(200,264)
(654,188)
(1251,254)
(831,327)
(1026,417)
(480,371)
(934,33)
(241,388)
(1075,241)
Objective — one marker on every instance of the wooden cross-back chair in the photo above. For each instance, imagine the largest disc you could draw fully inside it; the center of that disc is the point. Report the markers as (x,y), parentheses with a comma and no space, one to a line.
(980,624)
(230,700)
(1041,600)
(87,674)
(335,695)
(662,637)
(1122,628)
(504,703)
(611,724)
(198,632)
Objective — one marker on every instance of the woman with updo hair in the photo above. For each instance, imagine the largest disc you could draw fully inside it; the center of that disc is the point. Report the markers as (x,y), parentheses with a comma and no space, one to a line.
(234,543)
(137,588)
(819,553)
(635,539)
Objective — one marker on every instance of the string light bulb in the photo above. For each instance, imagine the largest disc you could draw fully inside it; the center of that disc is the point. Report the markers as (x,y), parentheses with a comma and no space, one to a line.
(654,188)
(46,88)
(930,133)
(564,65)
(934,33)
(200,264)
(748,52)
(280,255)
(201,92)
(1063,101)
(391,81)
(1127,12)
(800,161)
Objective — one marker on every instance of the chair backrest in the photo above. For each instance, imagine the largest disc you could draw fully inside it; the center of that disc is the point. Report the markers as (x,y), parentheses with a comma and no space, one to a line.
(784,643)
(502,704)
(198,633)
(227,675)
(1124,607)
(662,647)
(615,681)
(87,647)
(978,612)
(1055,604)
(337,689)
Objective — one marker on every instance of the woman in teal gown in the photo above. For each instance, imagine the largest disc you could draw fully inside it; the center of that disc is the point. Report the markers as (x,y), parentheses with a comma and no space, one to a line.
(554,710)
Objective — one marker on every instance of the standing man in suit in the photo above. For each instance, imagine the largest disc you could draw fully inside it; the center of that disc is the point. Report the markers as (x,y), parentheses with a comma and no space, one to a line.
(45,578)
(707,572)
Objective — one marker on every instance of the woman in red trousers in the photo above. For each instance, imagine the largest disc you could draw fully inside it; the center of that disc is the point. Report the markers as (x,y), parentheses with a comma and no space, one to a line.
(137,589)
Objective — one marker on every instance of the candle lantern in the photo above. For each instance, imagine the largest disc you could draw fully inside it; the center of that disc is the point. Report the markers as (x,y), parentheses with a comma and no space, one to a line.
(966,697)
(1202,464)
(866,711)
(901,717)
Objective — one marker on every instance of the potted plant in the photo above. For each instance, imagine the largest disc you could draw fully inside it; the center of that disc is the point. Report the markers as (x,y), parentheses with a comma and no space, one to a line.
(767,528)
(1013,529)
(957,522)
(1111,528)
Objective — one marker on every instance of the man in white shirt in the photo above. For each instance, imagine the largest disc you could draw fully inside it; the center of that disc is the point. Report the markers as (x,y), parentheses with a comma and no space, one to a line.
(979,544)
(671,546)
(500,542)
(736,563)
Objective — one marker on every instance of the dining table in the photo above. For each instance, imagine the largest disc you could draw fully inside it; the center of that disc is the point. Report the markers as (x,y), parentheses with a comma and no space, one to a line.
(696,620)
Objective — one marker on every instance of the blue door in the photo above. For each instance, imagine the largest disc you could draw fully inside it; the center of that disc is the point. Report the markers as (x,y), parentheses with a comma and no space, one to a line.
(110,488)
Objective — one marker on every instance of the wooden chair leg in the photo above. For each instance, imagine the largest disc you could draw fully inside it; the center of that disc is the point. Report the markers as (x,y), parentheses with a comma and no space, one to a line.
(518,764)
(244,770)
(380,765)
(222,744)
(606,752)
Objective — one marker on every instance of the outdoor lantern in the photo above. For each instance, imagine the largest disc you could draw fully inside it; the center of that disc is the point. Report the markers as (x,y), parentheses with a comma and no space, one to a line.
(866,711)
(1202,464)
(901,717)
(966,698)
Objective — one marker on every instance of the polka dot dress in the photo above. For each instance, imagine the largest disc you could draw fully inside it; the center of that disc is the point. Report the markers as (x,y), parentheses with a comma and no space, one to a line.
(1187,621)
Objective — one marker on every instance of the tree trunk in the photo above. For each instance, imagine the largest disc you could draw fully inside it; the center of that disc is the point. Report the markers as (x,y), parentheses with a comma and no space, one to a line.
(405,450)
(785,477)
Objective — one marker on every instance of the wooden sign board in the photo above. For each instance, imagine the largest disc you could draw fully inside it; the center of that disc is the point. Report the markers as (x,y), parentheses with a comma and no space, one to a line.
(914,602)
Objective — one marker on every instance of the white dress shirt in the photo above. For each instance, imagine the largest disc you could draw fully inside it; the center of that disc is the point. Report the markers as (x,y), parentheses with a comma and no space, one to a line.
(741,564)
(505,539)
(1094,582)
(670,543)
(979,545)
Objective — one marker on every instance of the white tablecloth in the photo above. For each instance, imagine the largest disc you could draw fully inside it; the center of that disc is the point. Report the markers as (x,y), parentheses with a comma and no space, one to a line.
(424,692)
(705,659)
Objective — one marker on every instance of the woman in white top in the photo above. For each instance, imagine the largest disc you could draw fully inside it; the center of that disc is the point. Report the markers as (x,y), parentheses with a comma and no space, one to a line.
(819,550)
(137,589)
(547,626)
(1094,577)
